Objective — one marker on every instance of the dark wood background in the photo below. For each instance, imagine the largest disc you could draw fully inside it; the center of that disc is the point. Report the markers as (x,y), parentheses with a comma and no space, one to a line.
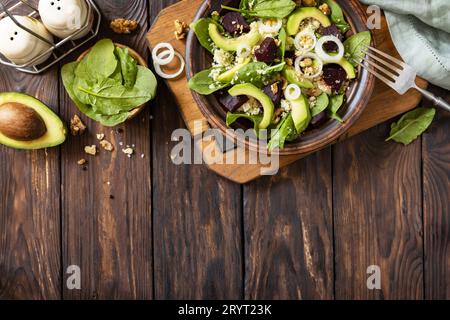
(175,232)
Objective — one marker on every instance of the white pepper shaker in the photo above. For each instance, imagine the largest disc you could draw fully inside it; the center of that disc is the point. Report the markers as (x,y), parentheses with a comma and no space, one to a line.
(63,18)
(20,46)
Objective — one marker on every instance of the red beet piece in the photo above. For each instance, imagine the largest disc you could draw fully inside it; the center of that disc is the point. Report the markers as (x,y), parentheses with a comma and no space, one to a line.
(275,96)
(234,23)
(334,76)
(232,103)
(318,120)
(267,51)
(331,31)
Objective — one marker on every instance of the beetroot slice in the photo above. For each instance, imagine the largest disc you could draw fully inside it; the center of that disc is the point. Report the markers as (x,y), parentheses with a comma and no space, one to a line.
(267,51)
(334,76)
(331,31)
(234,23)
(232,103)
(318,120)
(275,96)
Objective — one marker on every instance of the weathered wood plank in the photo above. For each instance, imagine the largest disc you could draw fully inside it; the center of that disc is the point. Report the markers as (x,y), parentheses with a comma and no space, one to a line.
(436,190)
(197,217)
(289,232)
(378,217)
(29,204)
(110,238)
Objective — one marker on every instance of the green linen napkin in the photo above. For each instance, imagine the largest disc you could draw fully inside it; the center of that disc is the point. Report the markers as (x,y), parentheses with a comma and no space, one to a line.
(421,33)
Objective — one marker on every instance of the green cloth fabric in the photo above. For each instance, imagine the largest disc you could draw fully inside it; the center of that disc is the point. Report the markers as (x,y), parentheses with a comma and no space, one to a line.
(421,33)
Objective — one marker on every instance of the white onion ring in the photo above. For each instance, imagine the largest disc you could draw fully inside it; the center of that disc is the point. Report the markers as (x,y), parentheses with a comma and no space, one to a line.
(298,37)
(313,56)
(324,55)
(292,92)
(264,28)
(243,51)
(164,75)
(157,57)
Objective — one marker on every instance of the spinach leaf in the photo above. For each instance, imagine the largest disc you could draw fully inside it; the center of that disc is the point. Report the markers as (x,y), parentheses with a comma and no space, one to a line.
(99,63)
(337,16)
(285,131)
(335,104)
(282,37)
(355,46)
(200,28)
(321,104)
(128,67)
(412,125)
(256,73)
(265,8)
(233,117)
(68,77)
(204,84)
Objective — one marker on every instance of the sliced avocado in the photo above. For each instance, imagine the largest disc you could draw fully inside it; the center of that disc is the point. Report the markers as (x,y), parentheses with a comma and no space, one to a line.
(229,75)
(27,123)
(301,114)
(292,77)
(248,89)
(348,67)
(294,21)
(231,44)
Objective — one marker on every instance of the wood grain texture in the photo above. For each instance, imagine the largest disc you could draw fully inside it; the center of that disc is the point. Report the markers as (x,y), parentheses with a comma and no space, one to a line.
(197,218)
(29,204)
(436,193)
(110,238)
(378,217)
(289,232)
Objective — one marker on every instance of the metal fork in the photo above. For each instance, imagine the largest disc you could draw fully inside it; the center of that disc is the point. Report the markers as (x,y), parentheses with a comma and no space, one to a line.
(396,74)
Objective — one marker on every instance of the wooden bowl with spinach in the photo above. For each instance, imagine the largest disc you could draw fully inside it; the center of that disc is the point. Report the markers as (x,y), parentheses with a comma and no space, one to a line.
(290,72)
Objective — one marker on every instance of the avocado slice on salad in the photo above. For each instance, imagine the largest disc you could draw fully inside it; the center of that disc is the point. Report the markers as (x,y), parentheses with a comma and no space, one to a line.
(301,114)
(227,76)
(292,77)
(250,90)
(294,21)
(231,44)
(27,123)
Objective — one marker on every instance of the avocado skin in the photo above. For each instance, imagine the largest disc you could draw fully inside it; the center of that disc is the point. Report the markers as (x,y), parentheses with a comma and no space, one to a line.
(254,92)
(250,39)
(301,114)
(56,130)
(301,14)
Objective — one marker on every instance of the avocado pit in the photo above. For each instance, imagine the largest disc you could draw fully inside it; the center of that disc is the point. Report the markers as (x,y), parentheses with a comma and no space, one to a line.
(20,122)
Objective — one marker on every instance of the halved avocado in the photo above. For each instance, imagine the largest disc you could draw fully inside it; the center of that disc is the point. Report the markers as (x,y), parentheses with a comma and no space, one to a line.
(292,77)
(229,75)
(348,67)
(301,114)
(248,89)
(26,123)
(231,44)
(294,21)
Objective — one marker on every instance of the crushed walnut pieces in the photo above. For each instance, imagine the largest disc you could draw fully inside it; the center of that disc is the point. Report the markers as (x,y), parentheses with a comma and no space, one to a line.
(91,150)
(325,8)
(106,145)
(181,29)
(100,136)
(77,126)
(129,151)
(124,26)
(82,162)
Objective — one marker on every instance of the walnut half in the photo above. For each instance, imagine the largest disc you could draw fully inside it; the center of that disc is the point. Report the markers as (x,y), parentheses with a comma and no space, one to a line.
(124,26)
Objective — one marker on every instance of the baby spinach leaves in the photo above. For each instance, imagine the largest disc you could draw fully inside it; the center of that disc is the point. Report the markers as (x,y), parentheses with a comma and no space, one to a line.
(337,16)
(200,28)
(233,117)
(321,104)
(256,73)
(106,85)
(412,125)
(285,131)
(204,84)
(335,104)
(356,45)
(265,8)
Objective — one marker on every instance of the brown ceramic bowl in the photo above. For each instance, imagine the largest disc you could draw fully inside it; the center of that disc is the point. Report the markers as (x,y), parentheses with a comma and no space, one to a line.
(198,59)
(136,56)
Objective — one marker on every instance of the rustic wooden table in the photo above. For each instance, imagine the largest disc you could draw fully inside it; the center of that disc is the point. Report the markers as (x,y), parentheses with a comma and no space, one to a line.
(173,232)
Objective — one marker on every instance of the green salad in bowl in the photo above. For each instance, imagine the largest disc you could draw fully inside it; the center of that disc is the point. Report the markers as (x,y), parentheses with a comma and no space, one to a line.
(279,65)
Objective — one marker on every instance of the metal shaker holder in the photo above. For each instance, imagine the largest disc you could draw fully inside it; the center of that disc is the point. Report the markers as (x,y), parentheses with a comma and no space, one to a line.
(58,50)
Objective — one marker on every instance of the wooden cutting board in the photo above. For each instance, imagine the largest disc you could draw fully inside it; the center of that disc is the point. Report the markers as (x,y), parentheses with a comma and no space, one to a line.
(384,104)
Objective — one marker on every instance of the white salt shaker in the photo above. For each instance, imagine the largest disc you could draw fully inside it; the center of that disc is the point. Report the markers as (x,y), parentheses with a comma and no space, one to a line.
(63,18)
(20,46)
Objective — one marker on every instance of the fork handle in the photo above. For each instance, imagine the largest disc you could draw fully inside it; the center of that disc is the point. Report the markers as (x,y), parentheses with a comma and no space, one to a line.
(438,102)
